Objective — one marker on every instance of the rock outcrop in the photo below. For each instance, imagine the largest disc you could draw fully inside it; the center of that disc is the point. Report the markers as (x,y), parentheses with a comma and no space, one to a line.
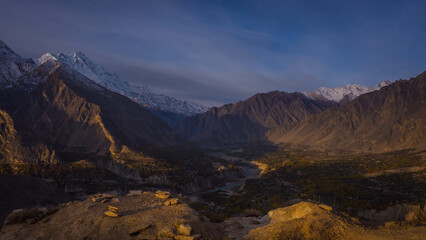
(306,220)
(141,216)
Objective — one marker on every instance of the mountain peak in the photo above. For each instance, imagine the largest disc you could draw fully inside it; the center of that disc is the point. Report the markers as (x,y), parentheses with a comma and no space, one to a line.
(45,58)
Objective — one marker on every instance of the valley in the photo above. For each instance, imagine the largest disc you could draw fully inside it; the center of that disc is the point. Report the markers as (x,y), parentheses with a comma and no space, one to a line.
(75,138)
(348,182)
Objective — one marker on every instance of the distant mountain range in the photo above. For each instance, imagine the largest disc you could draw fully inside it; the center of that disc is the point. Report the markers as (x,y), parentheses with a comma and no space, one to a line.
(386,117)
(170,109)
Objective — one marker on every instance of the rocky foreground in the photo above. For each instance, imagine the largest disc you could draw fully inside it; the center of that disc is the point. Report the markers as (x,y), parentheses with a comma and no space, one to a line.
(159,215)
(135,216)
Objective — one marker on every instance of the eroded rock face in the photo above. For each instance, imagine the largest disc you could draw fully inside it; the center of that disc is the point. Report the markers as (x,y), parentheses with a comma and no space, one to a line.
(141,217)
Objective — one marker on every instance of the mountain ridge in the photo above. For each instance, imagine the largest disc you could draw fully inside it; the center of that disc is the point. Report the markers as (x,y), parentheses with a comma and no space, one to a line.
(140,94)
(250,119)
(391,118)
(54,105)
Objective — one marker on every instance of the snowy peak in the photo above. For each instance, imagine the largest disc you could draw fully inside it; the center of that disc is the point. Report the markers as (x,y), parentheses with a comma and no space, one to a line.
(349,91)
(140,94)
(80,63)
(45,58)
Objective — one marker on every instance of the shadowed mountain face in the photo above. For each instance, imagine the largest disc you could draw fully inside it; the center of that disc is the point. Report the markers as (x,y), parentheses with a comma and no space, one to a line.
(389,119)
(249,120)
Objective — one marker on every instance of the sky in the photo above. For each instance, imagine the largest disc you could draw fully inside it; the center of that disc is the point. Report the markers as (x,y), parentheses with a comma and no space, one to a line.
(218,52)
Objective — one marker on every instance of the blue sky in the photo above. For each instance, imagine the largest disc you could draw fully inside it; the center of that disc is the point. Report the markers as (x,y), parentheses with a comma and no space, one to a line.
(217,52)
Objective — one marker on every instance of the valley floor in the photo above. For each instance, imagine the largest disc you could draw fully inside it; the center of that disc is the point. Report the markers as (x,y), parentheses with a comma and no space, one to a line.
(278,193)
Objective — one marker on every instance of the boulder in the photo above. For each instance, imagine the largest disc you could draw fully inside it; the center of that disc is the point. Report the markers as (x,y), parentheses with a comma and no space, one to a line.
(185,229)
(162,194)
(172,201)
(167,232)
(134,193)
(325,207)
(111,214)
(113,209)
(102,197)
(96,199)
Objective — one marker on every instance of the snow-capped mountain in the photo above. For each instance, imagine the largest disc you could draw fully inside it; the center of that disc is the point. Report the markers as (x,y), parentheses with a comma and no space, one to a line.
(140,94)
(349,91)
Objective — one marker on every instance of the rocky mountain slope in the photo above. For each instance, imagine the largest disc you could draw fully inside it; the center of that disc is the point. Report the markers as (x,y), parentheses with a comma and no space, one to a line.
(56,105)
(157,103)
(249,120)
(389,119)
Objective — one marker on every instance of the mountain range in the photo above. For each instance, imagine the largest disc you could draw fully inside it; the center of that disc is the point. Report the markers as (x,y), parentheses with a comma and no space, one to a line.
(389,119)
(49,108)
(249,120)
(67,103)
(170,109)
(261,117)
